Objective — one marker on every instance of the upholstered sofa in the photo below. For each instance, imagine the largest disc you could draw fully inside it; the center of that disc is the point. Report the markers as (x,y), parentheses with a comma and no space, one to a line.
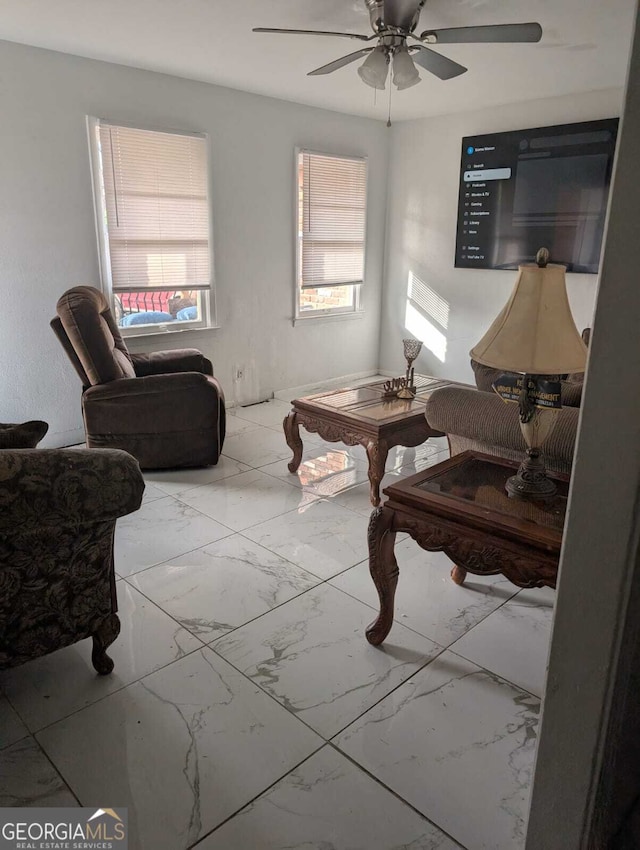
(57,521)
(481,420)
(473,419)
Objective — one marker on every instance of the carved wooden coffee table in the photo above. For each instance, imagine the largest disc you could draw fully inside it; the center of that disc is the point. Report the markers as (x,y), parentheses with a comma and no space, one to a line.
(461,507)
(362,416)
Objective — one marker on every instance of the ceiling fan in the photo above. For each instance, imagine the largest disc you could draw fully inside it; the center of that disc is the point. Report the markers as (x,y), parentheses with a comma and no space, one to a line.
(393,23)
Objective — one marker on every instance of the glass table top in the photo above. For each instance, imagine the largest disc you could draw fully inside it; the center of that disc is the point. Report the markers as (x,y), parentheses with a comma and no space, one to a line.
(370,402)
(481,483)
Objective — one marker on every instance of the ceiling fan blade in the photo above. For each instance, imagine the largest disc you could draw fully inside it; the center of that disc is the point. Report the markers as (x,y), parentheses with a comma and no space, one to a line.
(495,33)
(437,64)
(315,32)
(340,63)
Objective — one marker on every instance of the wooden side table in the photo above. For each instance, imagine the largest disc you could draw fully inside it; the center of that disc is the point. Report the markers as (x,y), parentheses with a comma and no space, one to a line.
(460,507)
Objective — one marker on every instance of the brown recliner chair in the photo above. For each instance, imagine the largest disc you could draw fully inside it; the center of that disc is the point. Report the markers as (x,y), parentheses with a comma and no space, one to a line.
(165,408)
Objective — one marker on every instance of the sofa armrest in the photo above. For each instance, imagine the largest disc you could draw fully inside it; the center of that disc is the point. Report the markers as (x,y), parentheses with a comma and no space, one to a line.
(163,362)
(474,419)
(571,393)
(55,487)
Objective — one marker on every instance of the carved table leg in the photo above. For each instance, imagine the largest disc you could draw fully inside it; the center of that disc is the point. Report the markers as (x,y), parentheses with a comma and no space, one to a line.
(103,637)
(292,436)
(377,451)
(458,574)
(384,572)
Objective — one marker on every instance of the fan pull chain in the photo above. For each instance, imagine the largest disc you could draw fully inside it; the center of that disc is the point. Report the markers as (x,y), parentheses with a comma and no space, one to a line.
(389,118)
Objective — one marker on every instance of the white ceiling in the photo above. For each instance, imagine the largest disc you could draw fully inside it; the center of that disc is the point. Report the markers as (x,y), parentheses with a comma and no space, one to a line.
(585,46)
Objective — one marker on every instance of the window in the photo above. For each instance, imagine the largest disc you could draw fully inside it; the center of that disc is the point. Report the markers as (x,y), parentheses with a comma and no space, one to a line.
(331,214)
(153,226)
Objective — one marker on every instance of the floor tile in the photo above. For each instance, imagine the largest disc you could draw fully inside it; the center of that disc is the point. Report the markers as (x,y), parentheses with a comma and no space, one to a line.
(222,586)
(49,688)
(426,598)
(325,386)
(183,749)
(416,458)
(312,656)
(440,443)
(514,641)
(270,570)
(356,452)
(457,743)
(27,778)
(174,481)
(245,500)
(258,448)
(236,425)
(160,531)
(359,498)
(270,413)
(322,472)
(409,460)
(323,539)
(151,493)
(12,729)
(327,802)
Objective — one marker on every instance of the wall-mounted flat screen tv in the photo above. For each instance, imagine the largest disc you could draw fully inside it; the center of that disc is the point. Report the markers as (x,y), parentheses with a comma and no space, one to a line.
(528,189)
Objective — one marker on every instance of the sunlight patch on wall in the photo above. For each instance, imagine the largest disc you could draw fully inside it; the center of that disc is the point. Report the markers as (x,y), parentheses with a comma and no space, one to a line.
(432,304)
(427,315)
(423,329)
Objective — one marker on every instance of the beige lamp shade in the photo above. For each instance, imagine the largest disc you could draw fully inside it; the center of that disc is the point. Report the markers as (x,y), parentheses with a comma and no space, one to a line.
(534,332)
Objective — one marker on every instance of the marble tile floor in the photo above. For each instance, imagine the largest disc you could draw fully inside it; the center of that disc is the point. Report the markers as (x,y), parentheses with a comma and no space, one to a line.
(247,711)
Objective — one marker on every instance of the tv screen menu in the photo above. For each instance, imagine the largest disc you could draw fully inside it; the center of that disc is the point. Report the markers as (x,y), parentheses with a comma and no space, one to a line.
(544,187)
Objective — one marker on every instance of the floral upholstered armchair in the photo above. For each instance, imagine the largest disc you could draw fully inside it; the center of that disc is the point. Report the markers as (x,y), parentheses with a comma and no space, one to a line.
(58,509)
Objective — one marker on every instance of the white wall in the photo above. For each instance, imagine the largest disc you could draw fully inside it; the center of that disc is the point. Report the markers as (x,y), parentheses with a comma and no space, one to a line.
(47,231)
(421,231)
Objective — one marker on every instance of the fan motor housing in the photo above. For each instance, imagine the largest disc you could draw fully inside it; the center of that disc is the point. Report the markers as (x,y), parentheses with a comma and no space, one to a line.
(394,14)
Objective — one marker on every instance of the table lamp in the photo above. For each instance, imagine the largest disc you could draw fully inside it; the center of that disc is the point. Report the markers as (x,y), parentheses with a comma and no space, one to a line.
(534,334)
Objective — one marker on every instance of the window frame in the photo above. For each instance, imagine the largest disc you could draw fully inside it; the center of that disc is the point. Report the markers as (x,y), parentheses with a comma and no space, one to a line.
(207,296)
(356,310)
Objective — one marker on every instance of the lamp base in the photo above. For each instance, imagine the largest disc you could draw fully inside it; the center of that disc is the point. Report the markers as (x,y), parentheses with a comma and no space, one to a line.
(531,482)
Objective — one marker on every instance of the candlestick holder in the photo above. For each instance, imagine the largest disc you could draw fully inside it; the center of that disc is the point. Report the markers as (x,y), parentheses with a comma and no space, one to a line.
(411,350)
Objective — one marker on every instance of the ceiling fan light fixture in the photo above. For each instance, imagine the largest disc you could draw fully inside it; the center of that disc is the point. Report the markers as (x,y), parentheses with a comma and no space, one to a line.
(405,73)
(395,21)
(374,69)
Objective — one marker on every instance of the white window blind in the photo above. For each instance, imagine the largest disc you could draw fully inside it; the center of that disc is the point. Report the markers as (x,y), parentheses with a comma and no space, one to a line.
(332,220)
(157,210)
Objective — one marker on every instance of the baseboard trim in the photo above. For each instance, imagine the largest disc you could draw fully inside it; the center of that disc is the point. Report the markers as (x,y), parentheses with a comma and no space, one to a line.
(318,386)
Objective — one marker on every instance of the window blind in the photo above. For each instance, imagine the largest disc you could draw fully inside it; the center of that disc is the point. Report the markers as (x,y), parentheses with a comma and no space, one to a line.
(157,209)
(332,220)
